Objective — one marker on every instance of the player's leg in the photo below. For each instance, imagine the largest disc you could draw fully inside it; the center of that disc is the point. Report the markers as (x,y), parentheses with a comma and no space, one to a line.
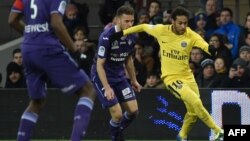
(127,97)
(37,92)
(131,112)
(203,114)
(188,122)
(115,121)
(29,119)
(190,117)
(83,111)
(113,106)
(188,92)
(192,99)
(177,88)
(65,74)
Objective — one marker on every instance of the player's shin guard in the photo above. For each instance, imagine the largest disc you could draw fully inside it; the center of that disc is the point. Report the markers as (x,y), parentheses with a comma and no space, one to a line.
(127,119)
(115,130)
(81,118)
(27,123)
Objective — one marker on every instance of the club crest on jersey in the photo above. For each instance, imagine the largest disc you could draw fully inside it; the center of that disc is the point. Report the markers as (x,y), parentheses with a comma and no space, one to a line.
(115,45)
(183,44)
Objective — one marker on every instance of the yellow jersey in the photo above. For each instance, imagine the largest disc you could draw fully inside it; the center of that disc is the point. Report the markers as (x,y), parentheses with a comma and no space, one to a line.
(174,49)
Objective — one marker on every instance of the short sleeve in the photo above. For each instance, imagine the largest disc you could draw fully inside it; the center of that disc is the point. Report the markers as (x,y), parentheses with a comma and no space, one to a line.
(103,46)
(58,6)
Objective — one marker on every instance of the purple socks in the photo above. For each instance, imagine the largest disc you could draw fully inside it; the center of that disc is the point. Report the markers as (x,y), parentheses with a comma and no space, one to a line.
(81,118)
(27,123)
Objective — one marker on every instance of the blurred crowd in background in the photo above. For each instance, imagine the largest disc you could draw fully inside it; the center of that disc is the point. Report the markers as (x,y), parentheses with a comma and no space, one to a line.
(229,68)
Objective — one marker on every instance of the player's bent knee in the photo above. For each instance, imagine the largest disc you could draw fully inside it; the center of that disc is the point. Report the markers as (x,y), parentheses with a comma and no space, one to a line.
(199,109)
(116,112)
(117,117)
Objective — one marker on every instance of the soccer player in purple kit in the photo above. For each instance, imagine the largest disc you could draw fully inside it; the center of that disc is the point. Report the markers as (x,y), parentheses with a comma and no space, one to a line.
(108,74)
(44,56)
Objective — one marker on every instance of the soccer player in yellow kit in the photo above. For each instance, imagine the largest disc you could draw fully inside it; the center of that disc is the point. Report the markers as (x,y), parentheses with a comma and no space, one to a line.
(176,41)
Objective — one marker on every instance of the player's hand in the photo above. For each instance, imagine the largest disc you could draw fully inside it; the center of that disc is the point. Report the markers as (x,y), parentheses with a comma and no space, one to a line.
(136,86)
(115,36)
(109,93)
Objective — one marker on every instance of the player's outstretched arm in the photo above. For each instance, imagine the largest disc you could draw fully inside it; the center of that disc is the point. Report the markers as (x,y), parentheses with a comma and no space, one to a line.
(131,30)
(136,29)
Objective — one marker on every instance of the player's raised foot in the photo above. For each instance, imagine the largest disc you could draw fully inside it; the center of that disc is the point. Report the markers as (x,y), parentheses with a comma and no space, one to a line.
(219,136)
(180,139)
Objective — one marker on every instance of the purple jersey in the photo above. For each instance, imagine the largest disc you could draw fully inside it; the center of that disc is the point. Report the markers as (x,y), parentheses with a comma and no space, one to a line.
(115,54)
(44,57)
(37,21)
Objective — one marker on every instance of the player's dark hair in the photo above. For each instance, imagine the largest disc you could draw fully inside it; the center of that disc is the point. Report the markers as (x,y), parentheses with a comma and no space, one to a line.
(179,11)
(125,9)
(17,50)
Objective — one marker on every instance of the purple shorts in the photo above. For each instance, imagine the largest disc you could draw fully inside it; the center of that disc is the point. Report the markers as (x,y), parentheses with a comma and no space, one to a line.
(123,92)
(54,65)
